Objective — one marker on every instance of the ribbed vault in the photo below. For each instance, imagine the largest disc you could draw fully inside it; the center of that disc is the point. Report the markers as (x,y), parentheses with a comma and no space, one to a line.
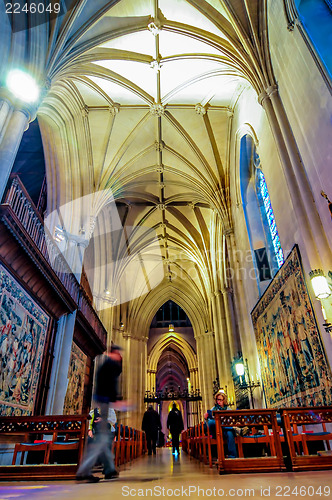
(140,111)
(136,124)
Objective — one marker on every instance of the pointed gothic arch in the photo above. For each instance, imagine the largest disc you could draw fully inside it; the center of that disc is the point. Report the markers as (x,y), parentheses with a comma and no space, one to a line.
(183,346)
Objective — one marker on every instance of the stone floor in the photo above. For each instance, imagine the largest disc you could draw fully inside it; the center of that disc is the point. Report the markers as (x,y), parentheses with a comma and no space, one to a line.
(167,476)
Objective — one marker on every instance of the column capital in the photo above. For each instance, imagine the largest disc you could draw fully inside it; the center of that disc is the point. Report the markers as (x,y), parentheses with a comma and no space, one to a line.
(267,93)
(28,109)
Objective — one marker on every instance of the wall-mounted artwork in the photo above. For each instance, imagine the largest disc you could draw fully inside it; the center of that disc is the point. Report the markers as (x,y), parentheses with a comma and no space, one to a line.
(75,390)
(294,367)
(23,329)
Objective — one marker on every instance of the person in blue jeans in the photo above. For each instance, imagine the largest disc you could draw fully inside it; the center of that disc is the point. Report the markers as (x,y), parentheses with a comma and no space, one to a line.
(229,433)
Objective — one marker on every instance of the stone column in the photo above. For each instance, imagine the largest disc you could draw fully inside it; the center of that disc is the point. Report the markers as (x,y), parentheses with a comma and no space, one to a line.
(74,253)
(132,373)
(13,122)
(59,376)
(153,380)
(64,336)
(269,100)
(217,339)
(202,362)
(304,187)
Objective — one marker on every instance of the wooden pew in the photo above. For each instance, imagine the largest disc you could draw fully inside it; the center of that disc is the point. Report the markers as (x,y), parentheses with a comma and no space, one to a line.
(257,420)
(296,421)
(197,442)
(28,429)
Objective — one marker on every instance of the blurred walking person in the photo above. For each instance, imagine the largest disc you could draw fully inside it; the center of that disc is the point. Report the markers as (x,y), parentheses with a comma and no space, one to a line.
(100,449)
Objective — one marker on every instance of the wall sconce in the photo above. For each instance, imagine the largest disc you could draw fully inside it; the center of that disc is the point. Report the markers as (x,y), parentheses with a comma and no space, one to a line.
(121,325)
(242,370)
(319,284)
(171,328)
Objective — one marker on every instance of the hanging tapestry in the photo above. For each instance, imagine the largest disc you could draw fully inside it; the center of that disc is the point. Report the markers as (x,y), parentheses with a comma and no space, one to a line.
(294,368)
(23,328)
(75,390)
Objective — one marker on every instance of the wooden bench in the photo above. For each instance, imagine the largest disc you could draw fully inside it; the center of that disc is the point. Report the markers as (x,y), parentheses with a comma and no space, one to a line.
(264,429)
(296,421)
(66,433)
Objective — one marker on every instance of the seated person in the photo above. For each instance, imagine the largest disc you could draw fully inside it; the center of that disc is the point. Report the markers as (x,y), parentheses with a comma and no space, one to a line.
(221,403)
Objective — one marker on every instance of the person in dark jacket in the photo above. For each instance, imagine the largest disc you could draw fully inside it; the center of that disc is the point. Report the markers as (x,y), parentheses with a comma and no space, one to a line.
(175,426)
(151,425)
(108,371)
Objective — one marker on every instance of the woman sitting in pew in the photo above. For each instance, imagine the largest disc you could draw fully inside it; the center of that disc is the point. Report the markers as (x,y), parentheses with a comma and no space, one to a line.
(229,433)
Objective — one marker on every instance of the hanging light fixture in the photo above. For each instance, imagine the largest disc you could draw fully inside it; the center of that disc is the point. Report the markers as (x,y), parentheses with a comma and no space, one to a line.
(319,284)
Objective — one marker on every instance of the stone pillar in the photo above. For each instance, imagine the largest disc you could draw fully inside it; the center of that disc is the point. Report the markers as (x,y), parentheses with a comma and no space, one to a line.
(269,101)
(64,336)
(232,289)
(217,339)
(152,380)
(304,187)
(230,321)
(13,122)
(202,362)
(74,254)
(221,337)
(132,372)
(59,375)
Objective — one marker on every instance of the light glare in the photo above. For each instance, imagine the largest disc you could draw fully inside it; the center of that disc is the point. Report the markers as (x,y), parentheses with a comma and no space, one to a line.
(239,368)
(23,86)
(321,287)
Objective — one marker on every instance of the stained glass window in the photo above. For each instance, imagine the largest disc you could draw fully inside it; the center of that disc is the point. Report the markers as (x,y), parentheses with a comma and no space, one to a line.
(270,217)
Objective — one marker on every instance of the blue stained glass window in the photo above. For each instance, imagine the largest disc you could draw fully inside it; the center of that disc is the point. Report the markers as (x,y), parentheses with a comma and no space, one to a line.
(270,218)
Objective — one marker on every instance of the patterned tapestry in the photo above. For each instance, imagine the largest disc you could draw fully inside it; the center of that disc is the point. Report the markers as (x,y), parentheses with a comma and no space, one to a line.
(293,362)
(74,396)
(23,328)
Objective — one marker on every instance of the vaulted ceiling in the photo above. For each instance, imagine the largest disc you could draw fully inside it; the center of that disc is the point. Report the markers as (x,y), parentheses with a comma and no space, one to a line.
(142,94)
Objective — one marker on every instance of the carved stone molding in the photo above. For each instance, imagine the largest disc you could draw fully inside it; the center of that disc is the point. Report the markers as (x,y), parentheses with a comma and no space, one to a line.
(154,27)
(157,109)
(114,109)
(200,109)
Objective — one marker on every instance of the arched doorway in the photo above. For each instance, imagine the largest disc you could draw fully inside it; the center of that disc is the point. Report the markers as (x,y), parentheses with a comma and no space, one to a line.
(172,366)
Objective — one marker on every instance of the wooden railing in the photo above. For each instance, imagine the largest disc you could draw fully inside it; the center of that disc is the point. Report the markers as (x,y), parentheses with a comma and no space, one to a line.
(21,205)
(85,307)
(24,214)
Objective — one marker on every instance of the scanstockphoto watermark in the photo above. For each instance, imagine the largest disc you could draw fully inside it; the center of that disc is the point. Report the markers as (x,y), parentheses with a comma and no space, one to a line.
(186,491)
(261,491)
